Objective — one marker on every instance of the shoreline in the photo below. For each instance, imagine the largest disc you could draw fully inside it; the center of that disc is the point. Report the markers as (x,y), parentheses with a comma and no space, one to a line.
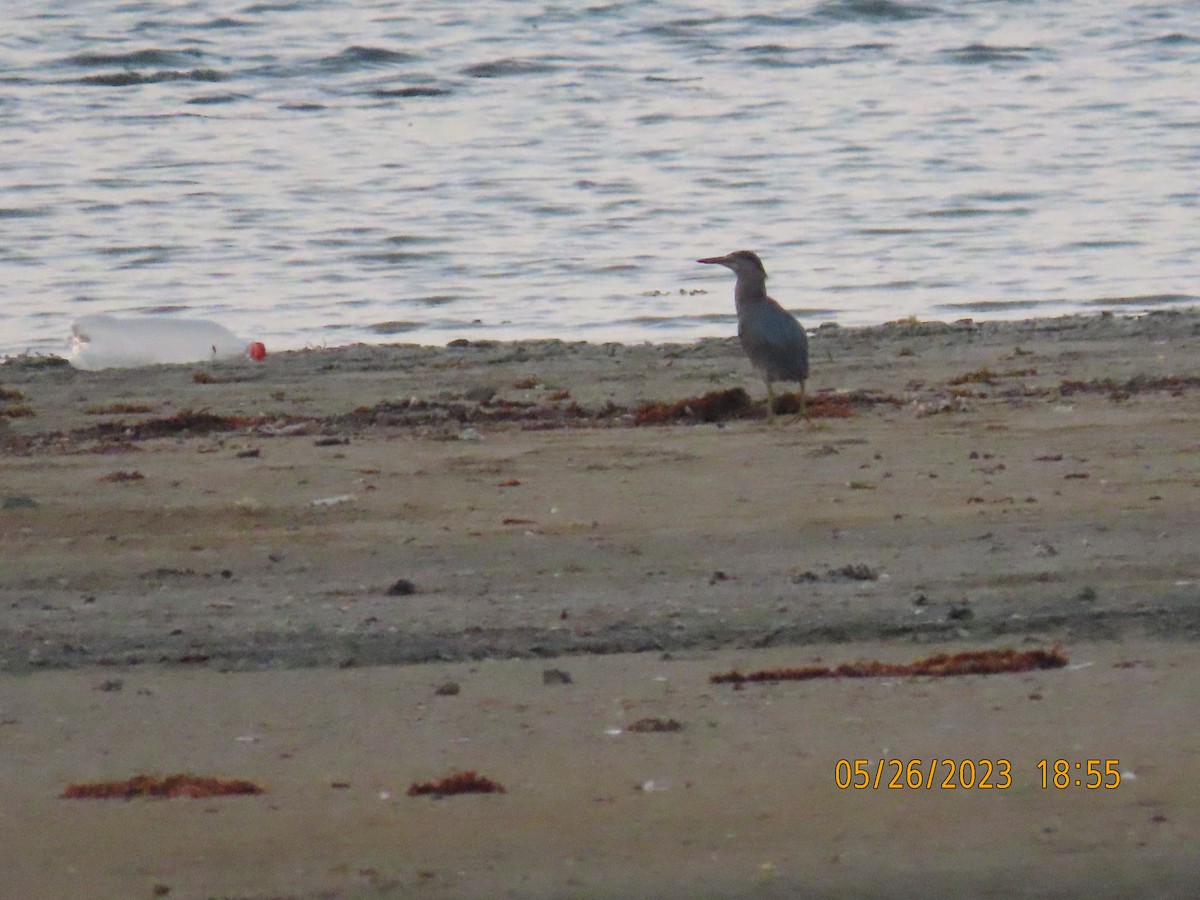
(966,313)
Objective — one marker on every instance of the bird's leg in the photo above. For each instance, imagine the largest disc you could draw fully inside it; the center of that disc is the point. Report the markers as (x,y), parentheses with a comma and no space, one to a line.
(803,402)
(770,401)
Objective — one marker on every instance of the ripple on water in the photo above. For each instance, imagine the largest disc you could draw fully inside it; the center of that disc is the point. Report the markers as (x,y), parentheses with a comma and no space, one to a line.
(405,92)
(158,309)
(969,212)
(134,58)
(216,99)
(357,57)
(392,257)
(989,306)
(975,54)
(24,212)
(500,68)
(1174,39)
(127,79)
(222,23)
(398,327)
(260,8)
(874,11)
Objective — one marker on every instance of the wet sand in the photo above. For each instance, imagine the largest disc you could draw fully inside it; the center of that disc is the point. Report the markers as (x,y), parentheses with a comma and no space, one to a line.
(261,554)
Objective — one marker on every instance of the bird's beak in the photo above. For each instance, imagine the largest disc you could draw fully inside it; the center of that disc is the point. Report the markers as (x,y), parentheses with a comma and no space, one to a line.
(718,260)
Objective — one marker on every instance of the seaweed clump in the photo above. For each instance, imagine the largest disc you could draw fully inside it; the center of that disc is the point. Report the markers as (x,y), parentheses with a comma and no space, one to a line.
(715,406)
(941,665)
(182,785)
(456,783)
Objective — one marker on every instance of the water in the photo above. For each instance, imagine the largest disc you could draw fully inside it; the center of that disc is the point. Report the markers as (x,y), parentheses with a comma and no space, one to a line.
(317,173)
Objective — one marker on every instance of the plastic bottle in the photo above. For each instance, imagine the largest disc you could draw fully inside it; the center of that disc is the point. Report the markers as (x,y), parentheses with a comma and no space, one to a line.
(106,342)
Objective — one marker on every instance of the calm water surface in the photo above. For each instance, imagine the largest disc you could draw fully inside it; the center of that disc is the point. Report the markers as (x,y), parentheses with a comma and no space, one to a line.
(312,173)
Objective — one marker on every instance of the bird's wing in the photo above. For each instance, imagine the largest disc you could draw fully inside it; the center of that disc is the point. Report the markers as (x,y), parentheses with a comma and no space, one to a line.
(780,329)
(776,343)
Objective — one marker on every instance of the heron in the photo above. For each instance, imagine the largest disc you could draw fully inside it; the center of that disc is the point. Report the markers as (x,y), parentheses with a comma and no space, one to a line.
(771,336)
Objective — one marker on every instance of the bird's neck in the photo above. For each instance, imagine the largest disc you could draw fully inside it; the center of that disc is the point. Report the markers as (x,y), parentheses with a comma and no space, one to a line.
(748,291)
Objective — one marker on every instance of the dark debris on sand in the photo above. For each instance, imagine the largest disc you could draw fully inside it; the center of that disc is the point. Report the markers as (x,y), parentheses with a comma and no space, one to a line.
(182,785)
(456,783)
(941,665)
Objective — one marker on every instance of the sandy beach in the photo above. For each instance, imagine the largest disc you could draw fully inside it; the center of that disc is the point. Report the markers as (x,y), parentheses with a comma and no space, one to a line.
(338,572)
